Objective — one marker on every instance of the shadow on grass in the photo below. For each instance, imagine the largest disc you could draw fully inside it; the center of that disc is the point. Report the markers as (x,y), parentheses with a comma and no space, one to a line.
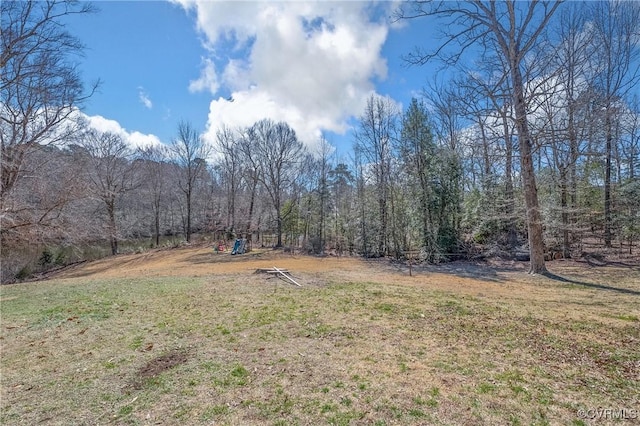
(591,285)
(597,261)
(473,270)
(465,269)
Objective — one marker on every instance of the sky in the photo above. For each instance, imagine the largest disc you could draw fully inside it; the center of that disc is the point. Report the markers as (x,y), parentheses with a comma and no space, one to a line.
(209,63)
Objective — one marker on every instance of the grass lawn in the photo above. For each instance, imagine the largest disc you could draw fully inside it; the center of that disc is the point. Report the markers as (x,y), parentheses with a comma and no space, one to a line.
(349,347)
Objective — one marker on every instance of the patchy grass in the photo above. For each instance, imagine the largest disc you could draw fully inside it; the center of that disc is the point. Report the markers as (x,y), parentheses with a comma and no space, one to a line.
(363,345)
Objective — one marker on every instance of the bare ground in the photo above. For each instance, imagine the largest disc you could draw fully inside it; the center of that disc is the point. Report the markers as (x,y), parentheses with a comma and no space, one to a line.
(495,277)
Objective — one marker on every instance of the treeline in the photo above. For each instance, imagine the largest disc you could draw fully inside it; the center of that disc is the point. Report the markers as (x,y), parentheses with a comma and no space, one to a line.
(458,171)
(405,188)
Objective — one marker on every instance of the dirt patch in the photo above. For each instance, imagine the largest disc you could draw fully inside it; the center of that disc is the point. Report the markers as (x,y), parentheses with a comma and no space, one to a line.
(491,277)
(203,261)
(157,366)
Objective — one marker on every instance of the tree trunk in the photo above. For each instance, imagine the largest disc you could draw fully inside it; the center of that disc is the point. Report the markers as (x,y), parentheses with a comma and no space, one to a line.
(188,230)
(566,241)
(573,179)
(113,237)
(394,225)
(534,218)
(426,232)
(279,243)
(512,236)
(157,226)
(252,202)
(231,205)
(156,214)
(607,181)
(321,231)
(486,171)
(363,212)
(279,219)
(382,205)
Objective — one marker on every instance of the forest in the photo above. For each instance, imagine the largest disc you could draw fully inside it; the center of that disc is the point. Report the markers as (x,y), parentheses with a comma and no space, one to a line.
(530,152)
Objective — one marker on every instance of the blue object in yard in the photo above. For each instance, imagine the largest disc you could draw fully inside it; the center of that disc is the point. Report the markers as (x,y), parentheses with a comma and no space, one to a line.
(238,247)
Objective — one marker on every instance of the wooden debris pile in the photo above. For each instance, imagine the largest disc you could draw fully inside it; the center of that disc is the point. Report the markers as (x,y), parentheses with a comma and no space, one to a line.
(279,273)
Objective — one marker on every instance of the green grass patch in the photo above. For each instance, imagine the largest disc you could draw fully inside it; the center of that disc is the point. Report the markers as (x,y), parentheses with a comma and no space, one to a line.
(627,317)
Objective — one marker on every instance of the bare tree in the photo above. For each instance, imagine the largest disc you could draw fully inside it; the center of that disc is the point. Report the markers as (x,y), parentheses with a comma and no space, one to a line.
(278,153)
(324,167)
(560,107)
(41,201)
(360,178)
(229,148)
(109,174)
(476,105)
(494,118)
(154,165)
(341,181)
(511,29)
(190,153)
(250,170)
(374,139)
(444,101)
(615,53)
(570,64)
(631,149)
(40,86)
(417,152)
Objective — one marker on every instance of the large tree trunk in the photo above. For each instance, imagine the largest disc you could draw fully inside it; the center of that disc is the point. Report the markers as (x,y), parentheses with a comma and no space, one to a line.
(534,218)
(279,243)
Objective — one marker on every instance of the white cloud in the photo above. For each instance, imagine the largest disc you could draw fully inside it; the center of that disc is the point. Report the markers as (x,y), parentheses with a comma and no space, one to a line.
(78,120)
(140,140)
(104,125)
(134,139)
(311,64)
(208,78)
(144,98)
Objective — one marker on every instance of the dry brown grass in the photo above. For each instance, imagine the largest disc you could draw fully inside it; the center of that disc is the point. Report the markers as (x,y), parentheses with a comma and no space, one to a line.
(190,337)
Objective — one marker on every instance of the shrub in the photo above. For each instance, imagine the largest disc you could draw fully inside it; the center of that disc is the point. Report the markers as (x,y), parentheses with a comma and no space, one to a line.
(46,258)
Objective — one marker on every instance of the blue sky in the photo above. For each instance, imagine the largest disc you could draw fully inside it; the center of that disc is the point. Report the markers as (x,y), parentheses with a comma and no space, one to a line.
(312,64)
